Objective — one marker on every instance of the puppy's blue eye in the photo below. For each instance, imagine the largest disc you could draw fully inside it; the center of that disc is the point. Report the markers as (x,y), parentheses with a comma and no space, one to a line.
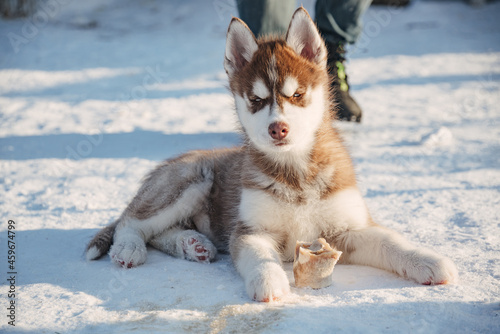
(297,95)
(256,99)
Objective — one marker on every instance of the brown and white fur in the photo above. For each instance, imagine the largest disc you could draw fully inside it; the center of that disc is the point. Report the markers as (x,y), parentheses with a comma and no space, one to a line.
(291,180)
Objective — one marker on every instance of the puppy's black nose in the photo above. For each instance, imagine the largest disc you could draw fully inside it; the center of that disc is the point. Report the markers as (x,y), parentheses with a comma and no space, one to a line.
(278,130)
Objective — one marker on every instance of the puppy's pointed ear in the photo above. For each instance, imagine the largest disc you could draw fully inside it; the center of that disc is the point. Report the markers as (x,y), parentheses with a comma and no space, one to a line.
(303,37)
(240,46)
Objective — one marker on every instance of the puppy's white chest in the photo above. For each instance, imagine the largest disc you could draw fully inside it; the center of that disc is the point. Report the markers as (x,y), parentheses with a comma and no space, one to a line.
(287,222)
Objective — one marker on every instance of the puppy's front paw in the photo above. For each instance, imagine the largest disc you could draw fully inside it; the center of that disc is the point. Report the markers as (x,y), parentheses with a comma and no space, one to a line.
(268,283)
(428,268)
(129,252)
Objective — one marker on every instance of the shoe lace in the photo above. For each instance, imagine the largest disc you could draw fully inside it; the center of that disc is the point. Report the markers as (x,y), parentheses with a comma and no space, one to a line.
(341,76)
(336,60)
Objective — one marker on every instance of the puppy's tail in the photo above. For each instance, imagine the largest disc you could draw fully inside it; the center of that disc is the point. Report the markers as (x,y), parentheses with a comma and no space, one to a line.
(101,243)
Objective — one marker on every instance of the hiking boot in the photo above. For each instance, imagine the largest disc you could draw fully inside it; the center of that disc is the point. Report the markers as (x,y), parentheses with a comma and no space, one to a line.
(347,108)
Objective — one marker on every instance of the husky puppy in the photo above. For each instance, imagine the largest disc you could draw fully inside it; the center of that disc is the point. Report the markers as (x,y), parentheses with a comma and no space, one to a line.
(291,180)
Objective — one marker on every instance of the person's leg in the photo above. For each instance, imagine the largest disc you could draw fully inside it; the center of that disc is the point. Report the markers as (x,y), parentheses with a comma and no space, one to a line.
(265,17)
(339,22)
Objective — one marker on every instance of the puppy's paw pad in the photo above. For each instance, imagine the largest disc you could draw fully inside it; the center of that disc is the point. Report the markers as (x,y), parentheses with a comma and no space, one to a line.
(122,263)
(198,249)
(267,300)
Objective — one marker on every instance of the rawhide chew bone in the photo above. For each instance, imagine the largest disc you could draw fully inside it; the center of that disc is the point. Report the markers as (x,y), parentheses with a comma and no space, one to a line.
(313,263)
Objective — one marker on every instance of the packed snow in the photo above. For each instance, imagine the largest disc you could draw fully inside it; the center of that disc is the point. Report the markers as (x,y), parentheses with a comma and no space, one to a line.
(93,94)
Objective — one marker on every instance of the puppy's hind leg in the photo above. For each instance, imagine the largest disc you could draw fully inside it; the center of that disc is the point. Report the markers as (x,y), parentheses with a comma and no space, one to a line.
(185,244)
(171,194)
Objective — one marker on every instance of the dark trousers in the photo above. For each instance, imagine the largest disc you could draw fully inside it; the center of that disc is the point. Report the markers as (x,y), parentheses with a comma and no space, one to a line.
(339,21)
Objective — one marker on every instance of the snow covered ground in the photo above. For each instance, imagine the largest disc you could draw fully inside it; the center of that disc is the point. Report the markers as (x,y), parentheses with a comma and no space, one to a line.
(94,93)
